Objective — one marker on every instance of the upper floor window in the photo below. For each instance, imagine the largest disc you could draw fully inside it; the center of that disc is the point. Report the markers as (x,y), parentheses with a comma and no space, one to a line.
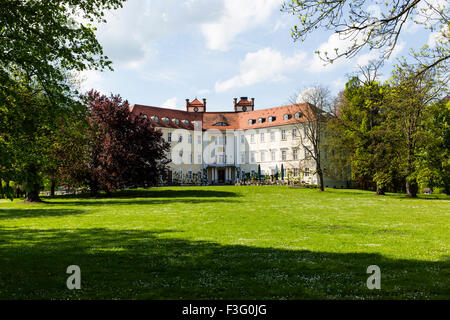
(190,139)
(155,118)
(221,124)
(295,154)
(186,122)
(263,156)
(294,133)
(180,138)
(261,120)
(199,139)
(286,116)
(271,119)
(283,135)
(166,120)
(252,157)
(283,155)
(251,121)
(262,136)
(252,138)
(272,136)
(272,155)
(298,115)
(169,136)
(176,121)
(242,139)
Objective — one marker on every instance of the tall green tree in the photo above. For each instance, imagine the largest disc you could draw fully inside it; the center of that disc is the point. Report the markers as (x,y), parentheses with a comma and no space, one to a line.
(358,126)
(408,105)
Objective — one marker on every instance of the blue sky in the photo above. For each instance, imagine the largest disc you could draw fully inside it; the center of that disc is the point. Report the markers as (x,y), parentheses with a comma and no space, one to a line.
(165,51)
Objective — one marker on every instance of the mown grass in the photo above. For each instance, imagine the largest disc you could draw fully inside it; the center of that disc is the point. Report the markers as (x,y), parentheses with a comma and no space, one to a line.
(226,243)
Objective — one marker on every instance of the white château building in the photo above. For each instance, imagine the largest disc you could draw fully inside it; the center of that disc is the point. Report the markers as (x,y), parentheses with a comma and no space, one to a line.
(226,147)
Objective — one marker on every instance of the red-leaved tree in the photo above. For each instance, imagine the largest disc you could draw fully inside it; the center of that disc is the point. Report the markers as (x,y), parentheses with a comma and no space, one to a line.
(125,150)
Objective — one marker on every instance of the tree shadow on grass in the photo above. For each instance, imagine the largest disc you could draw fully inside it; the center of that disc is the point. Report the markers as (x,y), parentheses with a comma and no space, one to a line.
(36,212)
(149,196)
(157,193)
(137,264)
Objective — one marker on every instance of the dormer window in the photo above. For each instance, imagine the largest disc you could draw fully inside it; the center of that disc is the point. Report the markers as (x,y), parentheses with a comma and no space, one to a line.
(298,115)
(186,122)
(221,124)
(261,120)
(144,116)
(166,120)
(271,119)
(155,119)
(286,116)
(176,121)
(251,121)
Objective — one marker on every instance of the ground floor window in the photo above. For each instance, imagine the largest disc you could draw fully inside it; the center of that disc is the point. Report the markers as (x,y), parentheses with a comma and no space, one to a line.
(295,173)
(306,172)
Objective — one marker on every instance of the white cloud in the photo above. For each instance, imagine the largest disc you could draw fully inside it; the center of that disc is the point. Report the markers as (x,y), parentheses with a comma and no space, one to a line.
(335,43)
(203,91)
(91,79)
(170,103)
(305,95)
(264,65)
(238,16)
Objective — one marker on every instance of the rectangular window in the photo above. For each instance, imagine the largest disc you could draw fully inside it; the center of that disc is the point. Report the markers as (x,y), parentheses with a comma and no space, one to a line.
(272,155)
(263,156)
(252,138)
(189,174)
(190,139)
(199,139)
(272,136)
(169,136)
(283,135)
(191,158)
(295,154)
(294,134)
(180,138)
(199,158)
(307,154)
(252,157)
(243,157)
(262,137)
(283,155)
(295,173)
(242,139)
(306,172)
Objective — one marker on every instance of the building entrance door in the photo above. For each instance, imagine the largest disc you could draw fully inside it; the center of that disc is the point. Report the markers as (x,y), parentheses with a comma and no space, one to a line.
(221,176)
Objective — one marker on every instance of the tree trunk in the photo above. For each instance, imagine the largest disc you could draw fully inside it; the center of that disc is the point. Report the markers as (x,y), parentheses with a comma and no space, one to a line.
(93,187)
(411,189)
(380,191)
(52,188)
(320,173)
(33,195)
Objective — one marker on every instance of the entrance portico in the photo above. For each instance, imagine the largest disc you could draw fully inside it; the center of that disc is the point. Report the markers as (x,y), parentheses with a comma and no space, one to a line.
(221,174)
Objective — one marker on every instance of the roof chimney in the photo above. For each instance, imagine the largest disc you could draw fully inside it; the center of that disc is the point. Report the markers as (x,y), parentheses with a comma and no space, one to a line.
(235,101)
(204,103)
(253,101)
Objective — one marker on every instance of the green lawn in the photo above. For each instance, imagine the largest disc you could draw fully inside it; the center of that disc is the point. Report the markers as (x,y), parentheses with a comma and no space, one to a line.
(270,242)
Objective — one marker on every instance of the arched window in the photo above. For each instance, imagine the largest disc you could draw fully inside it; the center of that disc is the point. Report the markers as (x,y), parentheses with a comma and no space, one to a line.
(186,122)
(286,116)
(166,120)
(176,121)
(155,118)
(261,120)
(271,119)
(251,121)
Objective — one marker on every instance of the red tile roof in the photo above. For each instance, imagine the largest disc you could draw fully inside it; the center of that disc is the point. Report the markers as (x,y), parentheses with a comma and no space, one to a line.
(235,120)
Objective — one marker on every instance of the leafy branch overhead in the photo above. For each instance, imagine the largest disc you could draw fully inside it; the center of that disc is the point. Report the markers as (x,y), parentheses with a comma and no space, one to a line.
(376,25)
(43,38)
